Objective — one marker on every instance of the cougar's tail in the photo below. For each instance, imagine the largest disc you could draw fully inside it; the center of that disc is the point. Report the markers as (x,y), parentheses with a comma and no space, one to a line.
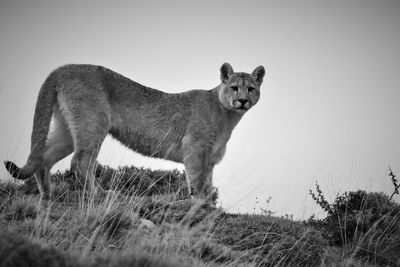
(41,123)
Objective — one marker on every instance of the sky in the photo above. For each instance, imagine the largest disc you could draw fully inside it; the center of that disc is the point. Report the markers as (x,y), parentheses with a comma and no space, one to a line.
(330,102)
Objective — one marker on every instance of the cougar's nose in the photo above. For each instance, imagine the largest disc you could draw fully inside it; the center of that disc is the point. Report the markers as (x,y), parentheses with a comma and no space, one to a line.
(243,101)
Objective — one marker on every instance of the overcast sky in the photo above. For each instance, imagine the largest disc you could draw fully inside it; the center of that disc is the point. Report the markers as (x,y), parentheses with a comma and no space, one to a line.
(330,102)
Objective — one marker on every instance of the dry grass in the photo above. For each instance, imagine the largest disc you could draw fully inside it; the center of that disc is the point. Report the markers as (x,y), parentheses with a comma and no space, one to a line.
(77,229)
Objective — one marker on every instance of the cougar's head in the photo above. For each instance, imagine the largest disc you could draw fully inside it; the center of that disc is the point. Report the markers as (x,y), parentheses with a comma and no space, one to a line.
(240,91)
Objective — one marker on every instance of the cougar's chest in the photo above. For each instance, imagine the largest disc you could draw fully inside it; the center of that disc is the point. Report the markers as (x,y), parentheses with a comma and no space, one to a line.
(218,153)
(218,148)
(221,134)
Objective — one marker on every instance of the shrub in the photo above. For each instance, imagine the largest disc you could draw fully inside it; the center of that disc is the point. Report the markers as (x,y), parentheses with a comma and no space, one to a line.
(143,182)
(381,243)
(188,212)
(21,209)
(395,183)
(271,241)
(352,214)
(116,222)
(131,181)
(366,223)
(8,190)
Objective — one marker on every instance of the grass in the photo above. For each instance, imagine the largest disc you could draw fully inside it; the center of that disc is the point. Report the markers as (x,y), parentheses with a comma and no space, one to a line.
(149,221)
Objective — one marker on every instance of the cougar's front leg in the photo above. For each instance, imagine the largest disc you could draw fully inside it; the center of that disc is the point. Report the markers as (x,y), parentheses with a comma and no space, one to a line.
(198,174)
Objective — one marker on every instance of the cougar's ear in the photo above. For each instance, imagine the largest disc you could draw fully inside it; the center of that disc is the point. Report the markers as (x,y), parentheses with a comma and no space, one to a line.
(258,74)
(226,72)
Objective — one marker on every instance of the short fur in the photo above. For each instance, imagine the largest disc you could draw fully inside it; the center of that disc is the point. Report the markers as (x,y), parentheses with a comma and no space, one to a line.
(88,102)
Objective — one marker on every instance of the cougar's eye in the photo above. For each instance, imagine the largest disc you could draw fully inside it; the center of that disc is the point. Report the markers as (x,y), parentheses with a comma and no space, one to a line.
(235,88)
(251,89)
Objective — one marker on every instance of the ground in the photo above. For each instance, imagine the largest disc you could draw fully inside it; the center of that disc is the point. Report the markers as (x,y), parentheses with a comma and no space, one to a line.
(149,220)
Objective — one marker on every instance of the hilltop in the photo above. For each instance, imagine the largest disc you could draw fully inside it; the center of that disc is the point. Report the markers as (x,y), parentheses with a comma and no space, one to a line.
(149,220)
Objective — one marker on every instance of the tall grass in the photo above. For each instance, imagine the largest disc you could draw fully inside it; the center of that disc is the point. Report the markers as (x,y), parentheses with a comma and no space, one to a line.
(148,219)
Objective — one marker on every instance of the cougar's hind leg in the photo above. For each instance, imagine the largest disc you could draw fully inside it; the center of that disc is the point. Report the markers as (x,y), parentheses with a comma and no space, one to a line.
(58,145)
(84,160)
(88,137)
(87,114)
(42,176)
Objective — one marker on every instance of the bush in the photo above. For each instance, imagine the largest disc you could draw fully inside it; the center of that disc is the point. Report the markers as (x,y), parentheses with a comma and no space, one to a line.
(381,243)
(352,214)
(21,209)
(271,241)
(366,223)
(131,181)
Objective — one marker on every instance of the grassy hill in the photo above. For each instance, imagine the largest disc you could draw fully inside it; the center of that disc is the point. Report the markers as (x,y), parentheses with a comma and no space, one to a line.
(148,220)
